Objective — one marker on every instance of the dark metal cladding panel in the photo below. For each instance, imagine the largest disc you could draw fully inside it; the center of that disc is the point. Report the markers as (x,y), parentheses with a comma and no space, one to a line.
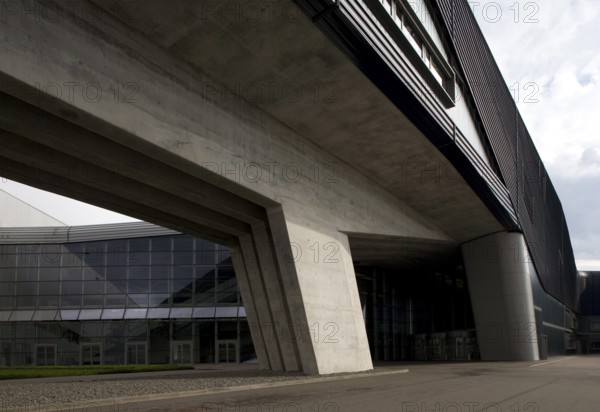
(536,202)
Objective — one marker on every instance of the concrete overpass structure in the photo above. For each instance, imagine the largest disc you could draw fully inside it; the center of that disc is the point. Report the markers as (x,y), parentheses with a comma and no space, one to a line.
(308,136)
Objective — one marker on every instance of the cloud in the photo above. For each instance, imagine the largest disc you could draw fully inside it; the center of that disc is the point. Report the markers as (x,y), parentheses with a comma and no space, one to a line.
(590,157)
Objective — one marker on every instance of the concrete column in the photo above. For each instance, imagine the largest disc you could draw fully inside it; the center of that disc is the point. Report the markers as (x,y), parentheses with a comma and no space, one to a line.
(299,289)
(320,290)
(500,289)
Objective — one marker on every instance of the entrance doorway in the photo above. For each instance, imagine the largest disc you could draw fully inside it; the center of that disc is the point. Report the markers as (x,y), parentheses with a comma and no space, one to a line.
(227,351)
(45,355)
(91,354)
(181,352)
(136,353)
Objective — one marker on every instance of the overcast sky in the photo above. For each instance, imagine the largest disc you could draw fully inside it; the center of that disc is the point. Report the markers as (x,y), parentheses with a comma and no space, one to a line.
(548,51)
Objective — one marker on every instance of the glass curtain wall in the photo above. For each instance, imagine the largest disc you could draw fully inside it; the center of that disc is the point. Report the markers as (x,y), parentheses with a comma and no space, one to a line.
(417,315)
(166,299)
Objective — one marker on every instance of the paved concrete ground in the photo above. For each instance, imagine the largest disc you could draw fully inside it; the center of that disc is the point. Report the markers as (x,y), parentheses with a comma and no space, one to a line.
(559,384)
(102,392)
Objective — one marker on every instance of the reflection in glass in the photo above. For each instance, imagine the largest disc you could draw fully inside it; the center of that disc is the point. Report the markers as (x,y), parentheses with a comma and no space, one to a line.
(93,287)
(205,278)
(159,300)
(71,273)
(159,286)
(137,286)
(138,300)
(137,329)
(182,299)
(183,285)
(114,273)
(93,273)
(116,286)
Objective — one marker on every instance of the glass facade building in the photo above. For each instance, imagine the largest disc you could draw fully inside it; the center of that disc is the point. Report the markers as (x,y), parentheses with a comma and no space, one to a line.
(424,314)
(158,299)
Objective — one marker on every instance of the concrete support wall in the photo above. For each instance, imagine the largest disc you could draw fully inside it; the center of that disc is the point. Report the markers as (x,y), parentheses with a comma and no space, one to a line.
(499,285)
(321,291)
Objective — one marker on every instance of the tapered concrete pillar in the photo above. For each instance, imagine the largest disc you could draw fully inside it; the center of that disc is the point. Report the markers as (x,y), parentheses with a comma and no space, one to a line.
(500,289)
(299,289)
(320,288)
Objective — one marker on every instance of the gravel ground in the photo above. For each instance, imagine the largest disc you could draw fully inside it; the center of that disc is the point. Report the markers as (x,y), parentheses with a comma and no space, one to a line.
(41,394)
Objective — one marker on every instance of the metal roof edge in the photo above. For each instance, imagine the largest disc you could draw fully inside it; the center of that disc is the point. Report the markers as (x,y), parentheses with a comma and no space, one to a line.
(87,233)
